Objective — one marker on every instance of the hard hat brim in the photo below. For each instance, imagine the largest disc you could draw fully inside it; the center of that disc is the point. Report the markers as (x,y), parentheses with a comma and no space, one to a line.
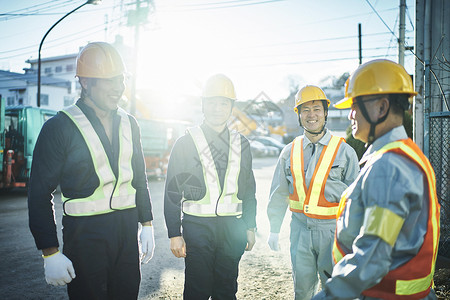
(344,103)
(347,102)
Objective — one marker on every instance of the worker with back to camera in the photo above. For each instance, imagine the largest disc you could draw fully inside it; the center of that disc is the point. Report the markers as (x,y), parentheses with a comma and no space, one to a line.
(209,200)
(92,150)
(310,176)
(387,230)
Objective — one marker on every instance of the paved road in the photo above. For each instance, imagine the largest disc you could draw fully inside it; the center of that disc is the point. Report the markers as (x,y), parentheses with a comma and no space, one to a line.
(21,267)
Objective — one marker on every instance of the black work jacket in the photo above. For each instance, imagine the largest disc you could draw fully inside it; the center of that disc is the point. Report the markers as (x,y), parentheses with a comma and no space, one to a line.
(185,177)
(61,157)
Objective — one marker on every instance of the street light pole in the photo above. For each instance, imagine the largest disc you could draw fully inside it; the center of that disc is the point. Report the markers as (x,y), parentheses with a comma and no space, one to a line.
(95,2)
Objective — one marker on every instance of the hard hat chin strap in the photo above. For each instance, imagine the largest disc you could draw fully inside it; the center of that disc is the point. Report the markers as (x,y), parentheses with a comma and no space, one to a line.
(312,132)
(371,137)
(315,133)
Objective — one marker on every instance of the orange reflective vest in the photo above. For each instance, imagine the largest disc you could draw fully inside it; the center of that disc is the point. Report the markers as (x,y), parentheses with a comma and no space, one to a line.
(312,201)
(414,279)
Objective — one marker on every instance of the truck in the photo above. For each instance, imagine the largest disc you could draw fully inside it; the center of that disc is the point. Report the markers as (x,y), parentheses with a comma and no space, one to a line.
(19,130)
(158,137)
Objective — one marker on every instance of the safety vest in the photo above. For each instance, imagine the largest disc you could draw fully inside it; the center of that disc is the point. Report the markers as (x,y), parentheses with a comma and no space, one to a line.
(412,280)
(312,201)
(216,202)
(112,193)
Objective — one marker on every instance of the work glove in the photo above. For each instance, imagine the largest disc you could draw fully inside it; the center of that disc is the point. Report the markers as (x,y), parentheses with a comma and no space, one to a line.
(147,240)
(58,269)
(273,241)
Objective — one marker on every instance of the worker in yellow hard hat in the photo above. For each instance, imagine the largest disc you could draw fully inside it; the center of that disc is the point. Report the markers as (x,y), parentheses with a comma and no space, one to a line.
(92,150)
(310,176)
(387,232)
(209,199)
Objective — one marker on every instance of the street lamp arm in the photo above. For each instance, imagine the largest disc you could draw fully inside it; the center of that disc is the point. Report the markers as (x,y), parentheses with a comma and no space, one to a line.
(42,42)
(48,31)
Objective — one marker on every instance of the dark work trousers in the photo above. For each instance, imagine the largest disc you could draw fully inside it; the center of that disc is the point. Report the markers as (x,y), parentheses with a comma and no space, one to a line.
(214,247)
(105,255)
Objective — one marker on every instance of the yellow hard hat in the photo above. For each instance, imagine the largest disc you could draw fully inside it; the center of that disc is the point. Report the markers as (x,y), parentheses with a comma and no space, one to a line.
(380,76)
(309,93)
(219,85)
(99,60)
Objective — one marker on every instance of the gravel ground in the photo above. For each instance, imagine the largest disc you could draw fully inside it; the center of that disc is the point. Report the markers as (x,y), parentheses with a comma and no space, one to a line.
(264,274)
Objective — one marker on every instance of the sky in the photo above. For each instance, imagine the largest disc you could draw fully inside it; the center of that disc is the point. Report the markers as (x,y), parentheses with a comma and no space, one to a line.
(262,45)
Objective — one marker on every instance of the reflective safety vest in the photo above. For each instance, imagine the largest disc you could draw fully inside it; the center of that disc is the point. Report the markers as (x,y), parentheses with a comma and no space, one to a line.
(111,194)
(412,280)
(312,201)
(216,202)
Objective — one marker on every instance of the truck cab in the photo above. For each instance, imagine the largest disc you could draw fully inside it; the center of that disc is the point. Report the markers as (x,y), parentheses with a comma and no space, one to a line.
(19,130)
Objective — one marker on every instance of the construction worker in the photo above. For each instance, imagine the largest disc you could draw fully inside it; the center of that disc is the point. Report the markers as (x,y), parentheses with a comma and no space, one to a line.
(310,176)
(388,220)
(210,193)
(92,150)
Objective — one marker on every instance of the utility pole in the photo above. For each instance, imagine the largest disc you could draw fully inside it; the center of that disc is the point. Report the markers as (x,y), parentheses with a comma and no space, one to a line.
(360,43)
(401,38)
(136,18)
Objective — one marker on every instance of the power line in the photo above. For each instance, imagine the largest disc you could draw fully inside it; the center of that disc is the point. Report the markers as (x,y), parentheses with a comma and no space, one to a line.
(59,44)
(312,61)
(409,17)
(213,3)
(390,40)
(315,52)
(51,7)
(375,11)
(220,7)
(314,41)
(37,5)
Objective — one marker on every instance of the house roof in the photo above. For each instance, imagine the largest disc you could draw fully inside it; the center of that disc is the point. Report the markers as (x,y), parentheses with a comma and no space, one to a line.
(31,78)
(53,58)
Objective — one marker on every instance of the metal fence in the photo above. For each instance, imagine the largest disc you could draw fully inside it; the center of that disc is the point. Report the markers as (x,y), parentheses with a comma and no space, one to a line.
(440,160)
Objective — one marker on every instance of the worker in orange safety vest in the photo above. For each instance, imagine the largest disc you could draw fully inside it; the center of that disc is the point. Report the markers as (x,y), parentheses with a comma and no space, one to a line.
(388,220)
(310,176)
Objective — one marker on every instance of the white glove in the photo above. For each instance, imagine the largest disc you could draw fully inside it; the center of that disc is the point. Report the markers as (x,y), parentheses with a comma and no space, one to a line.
(147,240)
(273,241)
(58,269)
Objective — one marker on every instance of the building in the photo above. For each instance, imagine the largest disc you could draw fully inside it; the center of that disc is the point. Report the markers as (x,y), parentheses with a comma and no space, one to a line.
(21,89)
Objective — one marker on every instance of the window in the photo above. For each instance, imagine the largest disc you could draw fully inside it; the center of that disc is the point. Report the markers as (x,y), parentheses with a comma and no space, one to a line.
(47,70)
(11,100)
(68,101)
(58,69)
(11,122)
(44,99)
(69,68)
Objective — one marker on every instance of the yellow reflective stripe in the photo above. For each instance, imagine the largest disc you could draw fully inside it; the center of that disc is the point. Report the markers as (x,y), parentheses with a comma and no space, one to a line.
(410,287)
(428,169)
(295,204)
(298,172)
(99,158)
(225,203)
(102,199)
(382,223)
(210,176)
(322,172)
(233,169)
(337,255)
(321,210)
(125,154)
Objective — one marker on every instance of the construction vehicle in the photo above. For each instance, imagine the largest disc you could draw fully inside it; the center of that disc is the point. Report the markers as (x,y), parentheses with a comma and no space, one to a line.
(158,137)
(19,130)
